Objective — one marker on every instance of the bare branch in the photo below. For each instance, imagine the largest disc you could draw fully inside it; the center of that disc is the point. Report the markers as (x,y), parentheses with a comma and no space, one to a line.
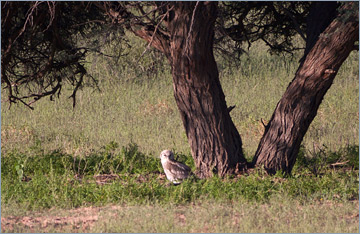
(296,24)
(153,34)
(190,29)
(28,18)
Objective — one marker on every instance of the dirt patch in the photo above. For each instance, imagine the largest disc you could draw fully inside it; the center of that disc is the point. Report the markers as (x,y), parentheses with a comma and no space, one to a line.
(80,219)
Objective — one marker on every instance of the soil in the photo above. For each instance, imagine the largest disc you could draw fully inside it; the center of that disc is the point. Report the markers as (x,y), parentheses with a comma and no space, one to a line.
(80,219)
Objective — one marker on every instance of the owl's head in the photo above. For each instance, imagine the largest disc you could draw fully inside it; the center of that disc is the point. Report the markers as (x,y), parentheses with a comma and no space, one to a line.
(167,154)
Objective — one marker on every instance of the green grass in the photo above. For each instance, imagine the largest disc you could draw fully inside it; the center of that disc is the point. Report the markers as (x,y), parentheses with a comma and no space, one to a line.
(40,180)
(41,186)
(133,107)
(104,152)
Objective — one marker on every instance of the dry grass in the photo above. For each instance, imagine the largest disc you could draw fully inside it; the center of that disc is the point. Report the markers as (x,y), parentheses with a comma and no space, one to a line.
(143,110)
(279,215)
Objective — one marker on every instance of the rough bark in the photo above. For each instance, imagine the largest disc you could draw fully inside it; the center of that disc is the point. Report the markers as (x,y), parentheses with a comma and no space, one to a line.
(214,140)
(297,108)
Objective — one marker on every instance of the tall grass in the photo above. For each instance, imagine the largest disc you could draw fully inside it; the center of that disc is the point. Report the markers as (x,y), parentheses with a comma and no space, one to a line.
(104,152)
(137,106)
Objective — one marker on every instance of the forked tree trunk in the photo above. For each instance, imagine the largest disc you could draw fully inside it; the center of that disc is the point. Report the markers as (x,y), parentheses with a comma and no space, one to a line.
(297,108)
(214,140)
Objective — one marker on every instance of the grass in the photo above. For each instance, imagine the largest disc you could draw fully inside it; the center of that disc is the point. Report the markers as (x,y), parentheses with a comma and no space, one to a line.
(238,217)
(101,157)
(42,181)
(136,108)
(44,192)
(280,215)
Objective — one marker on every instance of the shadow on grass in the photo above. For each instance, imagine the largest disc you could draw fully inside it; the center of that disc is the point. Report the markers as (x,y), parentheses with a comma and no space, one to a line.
(38,180)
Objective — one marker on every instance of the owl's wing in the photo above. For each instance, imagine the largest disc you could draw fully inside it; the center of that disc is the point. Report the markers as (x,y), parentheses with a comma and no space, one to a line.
(179,168)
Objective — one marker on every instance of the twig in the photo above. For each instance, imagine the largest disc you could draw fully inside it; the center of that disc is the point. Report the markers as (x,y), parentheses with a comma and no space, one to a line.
(190,30)
(296,24)
(28,105)
(263,123)
(339,163)
(230,108)
(29,14)
(52,14)
(153,35)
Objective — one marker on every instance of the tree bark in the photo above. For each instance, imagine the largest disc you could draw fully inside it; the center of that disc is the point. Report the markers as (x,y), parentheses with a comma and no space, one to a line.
(214,140)
(297,108)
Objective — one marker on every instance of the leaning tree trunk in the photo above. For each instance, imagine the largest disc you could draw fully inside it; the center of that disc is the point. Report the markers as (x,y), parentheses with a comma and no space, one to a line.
(297,108)
(214,140)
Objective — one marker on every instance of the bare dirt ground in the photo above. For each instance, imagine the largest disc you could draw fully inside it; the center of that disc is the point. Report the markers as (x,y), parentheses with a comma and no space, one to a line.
(81,220)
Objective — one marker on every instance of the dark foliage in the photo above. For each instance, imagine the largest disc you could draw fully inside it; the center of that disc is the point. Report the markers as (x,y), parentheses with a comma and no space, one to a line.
(43,46)
(44,43)
(275,23)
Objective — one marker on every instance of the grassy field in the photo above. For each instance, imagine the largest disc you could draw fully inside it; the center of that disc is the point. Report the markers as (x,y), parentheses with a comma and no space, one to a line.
(51,192)
(78,167)
(134,107)
(238,217)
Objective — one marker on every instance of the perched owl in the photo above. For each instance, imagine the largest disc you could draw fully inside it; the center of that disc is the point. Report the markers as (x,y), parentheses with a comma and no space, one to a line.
(175,171)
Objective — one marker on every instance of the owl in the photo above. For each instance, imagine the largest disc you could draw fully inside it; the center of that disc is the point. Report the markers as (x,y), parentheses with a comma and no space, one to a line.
(175,171)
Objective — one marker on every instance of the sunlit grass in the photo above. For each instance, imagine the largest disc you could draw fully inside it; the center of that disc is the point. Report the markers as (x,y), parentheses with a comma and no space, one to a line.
(135,108)
(52,157)
(280,215)
(128,192)
(39,180)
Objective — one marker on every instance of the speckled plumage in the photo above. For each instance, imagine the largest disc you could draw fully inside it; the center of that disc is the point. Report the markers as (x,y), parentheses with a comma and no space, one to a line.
(175,171)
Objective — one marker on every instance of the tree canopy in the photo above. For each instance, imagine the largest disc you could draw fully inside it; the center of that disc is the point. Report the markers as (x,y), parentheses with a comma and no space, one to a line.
(45,43)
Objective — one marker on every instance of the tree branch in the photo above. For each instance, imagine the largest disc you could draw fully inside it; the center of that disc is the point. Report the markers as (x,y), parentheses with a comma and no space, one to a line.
(190,29)
(154,33)
(296,24)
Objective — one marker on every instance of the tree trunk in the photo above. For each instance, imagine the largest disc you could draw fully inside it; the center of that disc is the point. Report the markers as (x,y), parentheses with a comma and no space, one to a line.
(297,108)
(214,141)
